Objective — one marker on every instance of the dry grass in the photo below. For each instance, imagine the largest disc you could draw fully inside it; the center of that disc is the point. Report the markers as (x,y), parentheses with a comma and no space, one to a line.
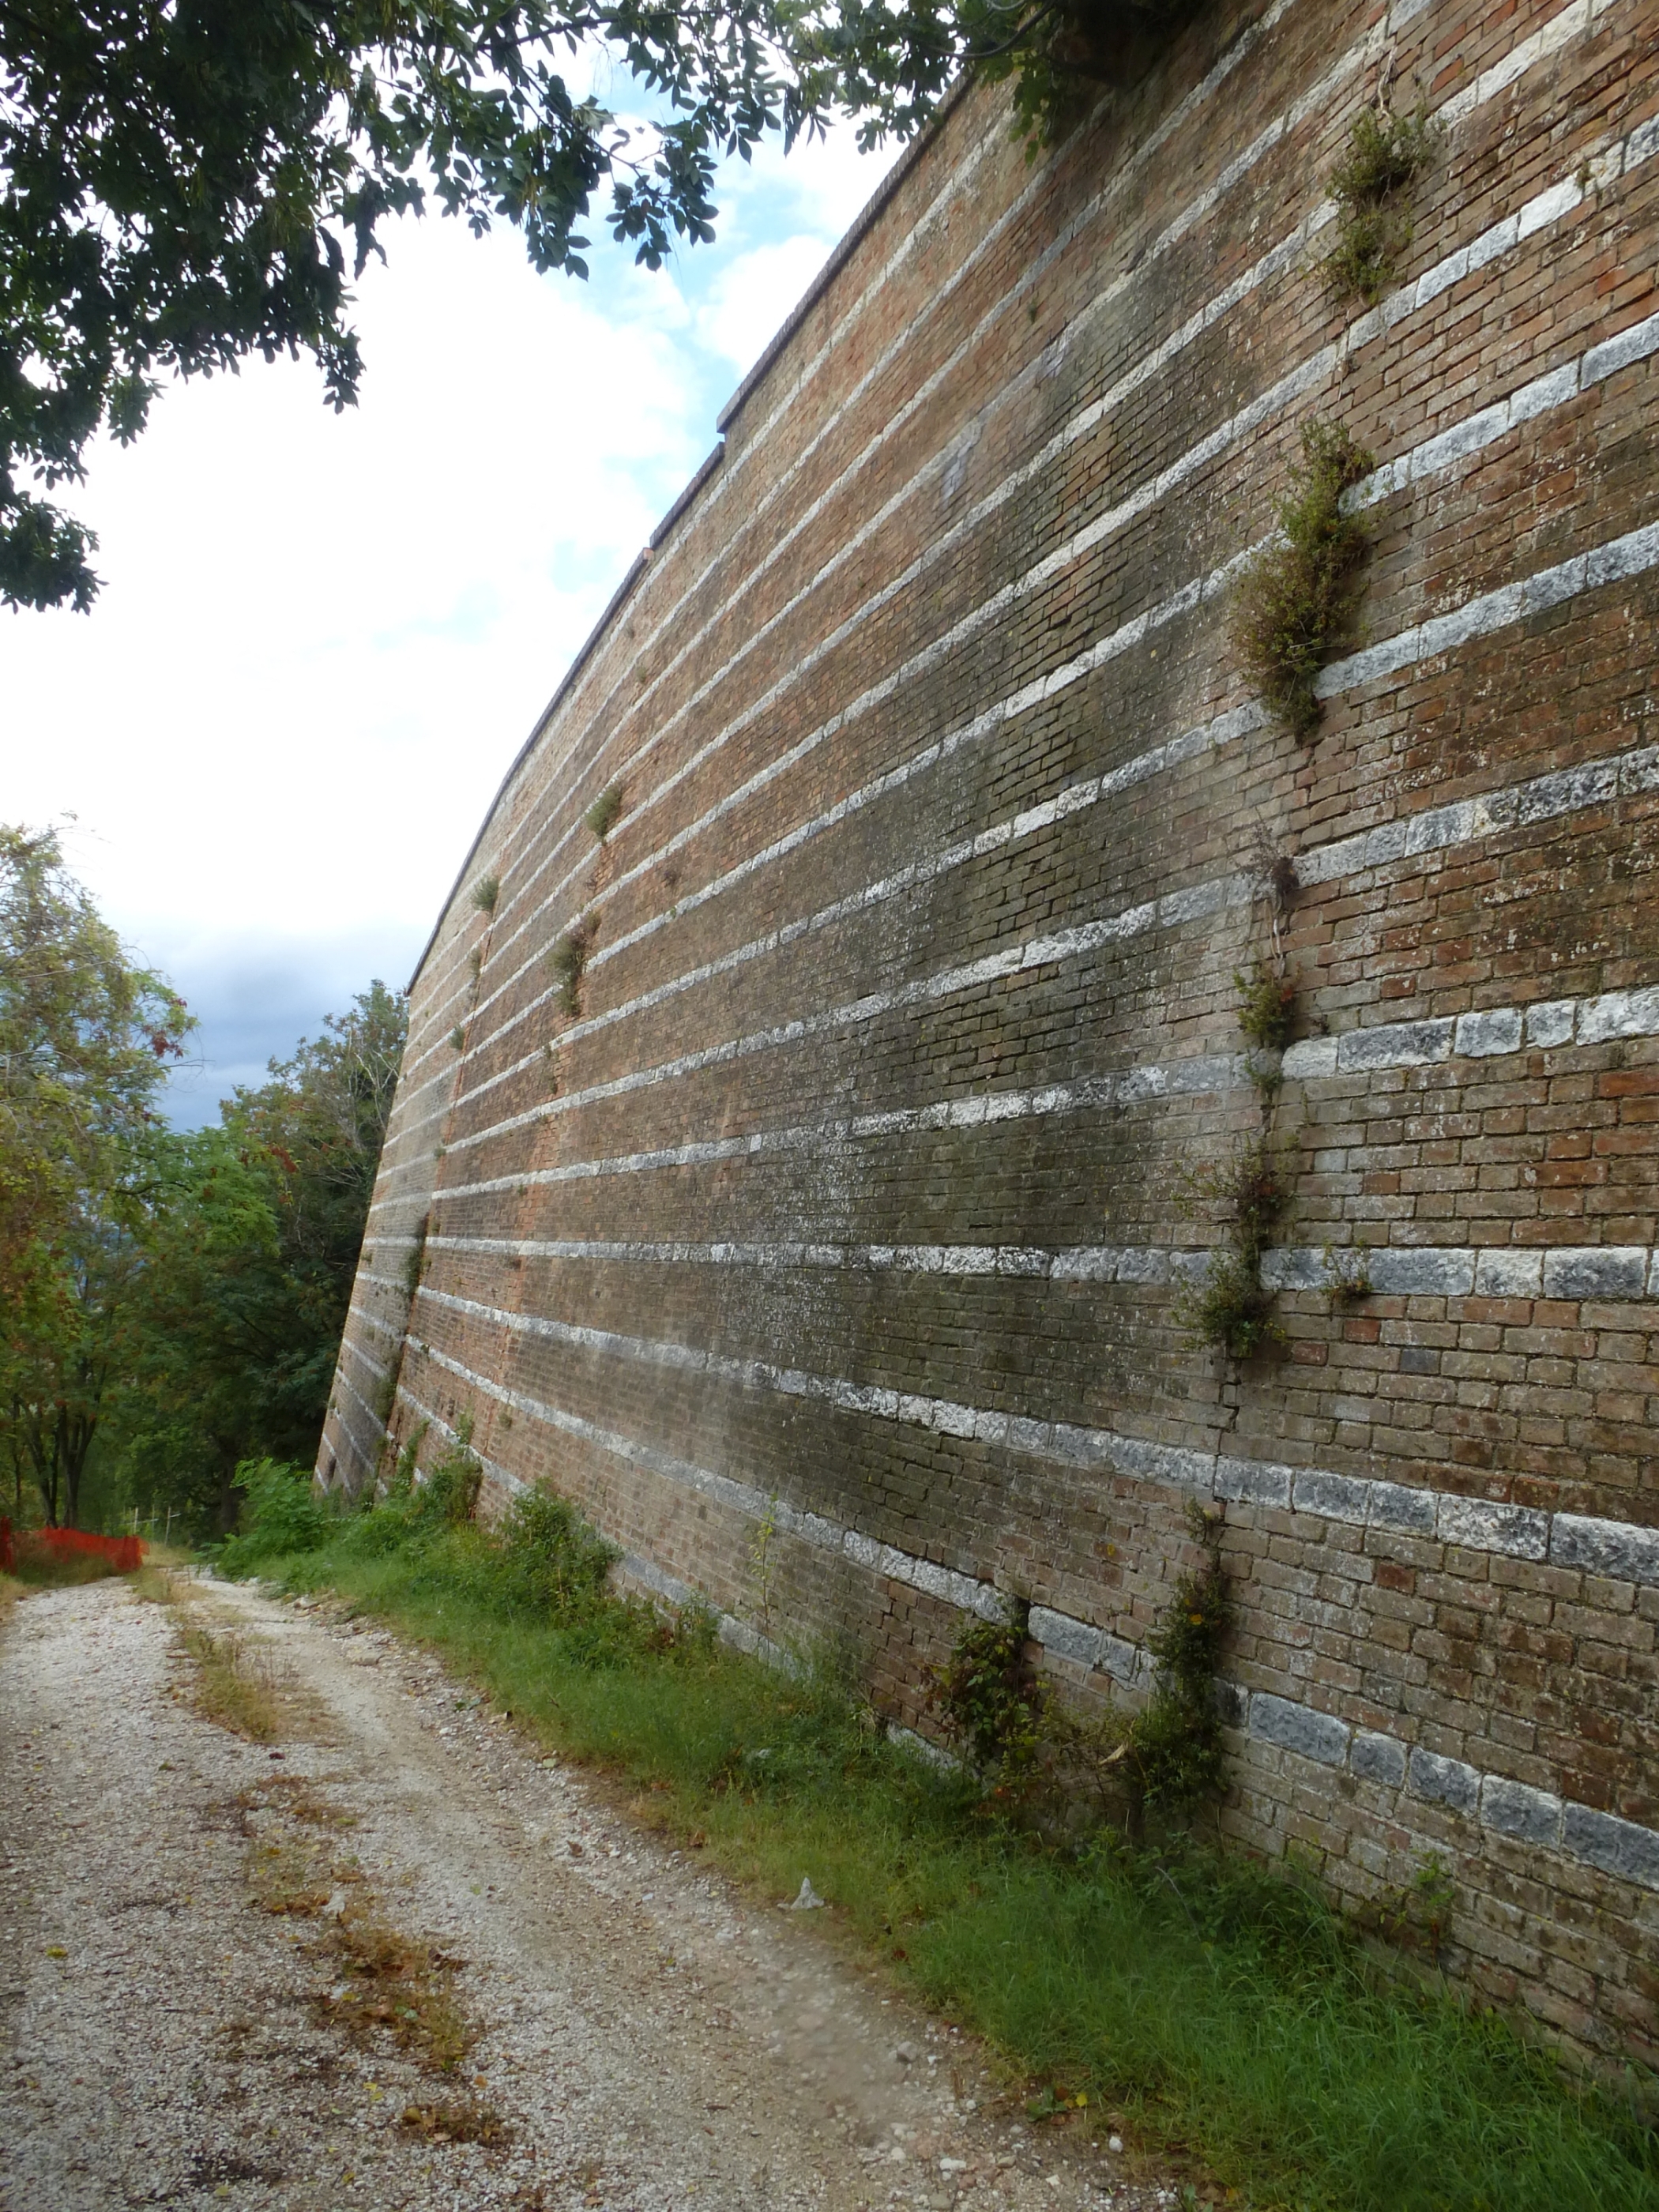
(160,1582)
(292,1795)
(397,1985)
(383,1984)
(467,2121)
(291,1877)
(292,1871)
(237,1683)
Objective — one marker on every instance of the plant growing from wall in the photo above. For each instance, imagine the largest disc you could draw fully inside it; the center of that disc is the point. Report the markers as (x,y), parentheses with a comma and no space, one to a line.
(1035,1756)
(1174,1740)
(1267,1006)
(401,1480)
(457,1039)
(386,1392)
(414,1264)
(602,815)
(385,1396)
(991,1701)
(1415,1915)
(485,892)
(761,1565)
(1296,601)
(1348,1276)
(1385,153)
(1228,1305)
(569,959)
(449,1496)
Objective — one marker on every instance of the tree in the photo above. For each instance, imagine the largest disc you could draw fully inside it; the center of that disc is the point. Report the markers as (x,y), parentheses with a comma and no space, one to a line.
(61,1357)
(85,1038)
(185,183)
(172,1301)
(236,1325)
(889,61)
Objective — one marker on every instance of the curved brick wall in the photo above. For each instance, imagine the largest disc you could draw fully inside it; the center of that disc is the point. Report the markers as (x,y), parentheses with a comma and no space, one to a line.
(848,1204)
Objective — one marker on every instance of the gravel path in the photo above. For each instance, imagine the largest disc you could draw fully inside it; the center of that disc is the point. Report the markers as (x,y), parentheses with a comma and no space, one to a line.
(179,2028)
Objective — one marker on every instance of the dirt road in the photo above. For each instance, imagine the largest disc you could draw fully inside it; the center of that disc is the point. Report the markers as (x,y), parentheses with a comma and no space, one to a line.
(191,1927)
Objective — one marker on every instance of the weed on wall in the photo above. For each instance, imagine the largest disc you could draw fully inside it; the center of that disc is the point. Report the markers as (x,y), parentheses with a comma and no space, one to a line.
(1227,1304)
(568,960)
(603,814)
(1385,153)
(1041,1761)
(1295,603)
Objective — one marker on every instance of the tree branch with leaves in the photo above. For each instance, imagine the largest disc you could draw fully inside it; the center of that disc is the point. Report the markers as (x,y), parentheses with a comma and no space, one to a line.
(185,183)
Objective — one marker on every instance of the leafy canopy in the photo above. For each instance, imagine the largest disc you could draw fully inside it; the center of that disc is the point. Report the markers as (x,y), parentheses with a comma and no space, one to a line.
(253,1248)
(85,1038)
(185,183)
(171,1303)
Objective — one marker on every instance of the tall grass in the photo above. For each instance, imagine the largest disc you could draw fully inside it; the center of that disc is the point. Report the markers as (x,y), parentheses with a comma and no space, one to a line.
(38,1568)
(1207,2005)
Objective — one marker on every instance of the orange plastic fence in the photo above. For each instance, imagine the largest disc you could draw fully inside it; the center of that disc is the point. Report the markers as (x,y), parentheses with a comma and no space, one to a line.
(123,1553)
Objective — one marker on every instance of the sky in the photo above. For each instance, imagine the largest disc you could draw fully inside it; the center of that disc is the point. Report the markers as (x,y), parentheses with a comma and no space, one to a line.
(322,639)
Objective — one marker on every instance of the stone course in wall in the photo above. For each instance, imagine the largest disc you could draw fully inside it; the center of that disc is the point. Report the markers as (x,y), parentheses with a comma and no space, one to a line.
(849,1198)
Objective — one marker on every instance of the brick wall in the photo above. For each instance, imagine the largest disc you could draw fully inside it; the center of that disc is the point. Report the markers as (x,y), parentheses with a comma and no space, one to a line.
(848,1204)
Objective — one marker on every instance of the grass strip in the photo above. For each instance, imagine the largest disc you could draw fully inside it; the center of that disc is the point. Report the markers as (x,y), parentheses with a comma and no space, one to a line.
(236,1681)
(233,1683)
(42,1569)
(1207,2006)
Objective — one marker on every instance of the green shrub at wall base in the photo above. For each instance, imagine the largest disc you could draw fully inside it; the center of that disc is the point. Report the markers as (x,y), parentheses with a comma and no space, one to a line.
(282,1511)
(991,1702)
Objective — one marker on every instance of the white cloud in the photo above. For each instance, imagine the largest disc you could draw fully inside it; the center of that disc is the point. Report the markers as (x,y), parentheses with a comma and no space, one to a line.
(753,294)
(322,639)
